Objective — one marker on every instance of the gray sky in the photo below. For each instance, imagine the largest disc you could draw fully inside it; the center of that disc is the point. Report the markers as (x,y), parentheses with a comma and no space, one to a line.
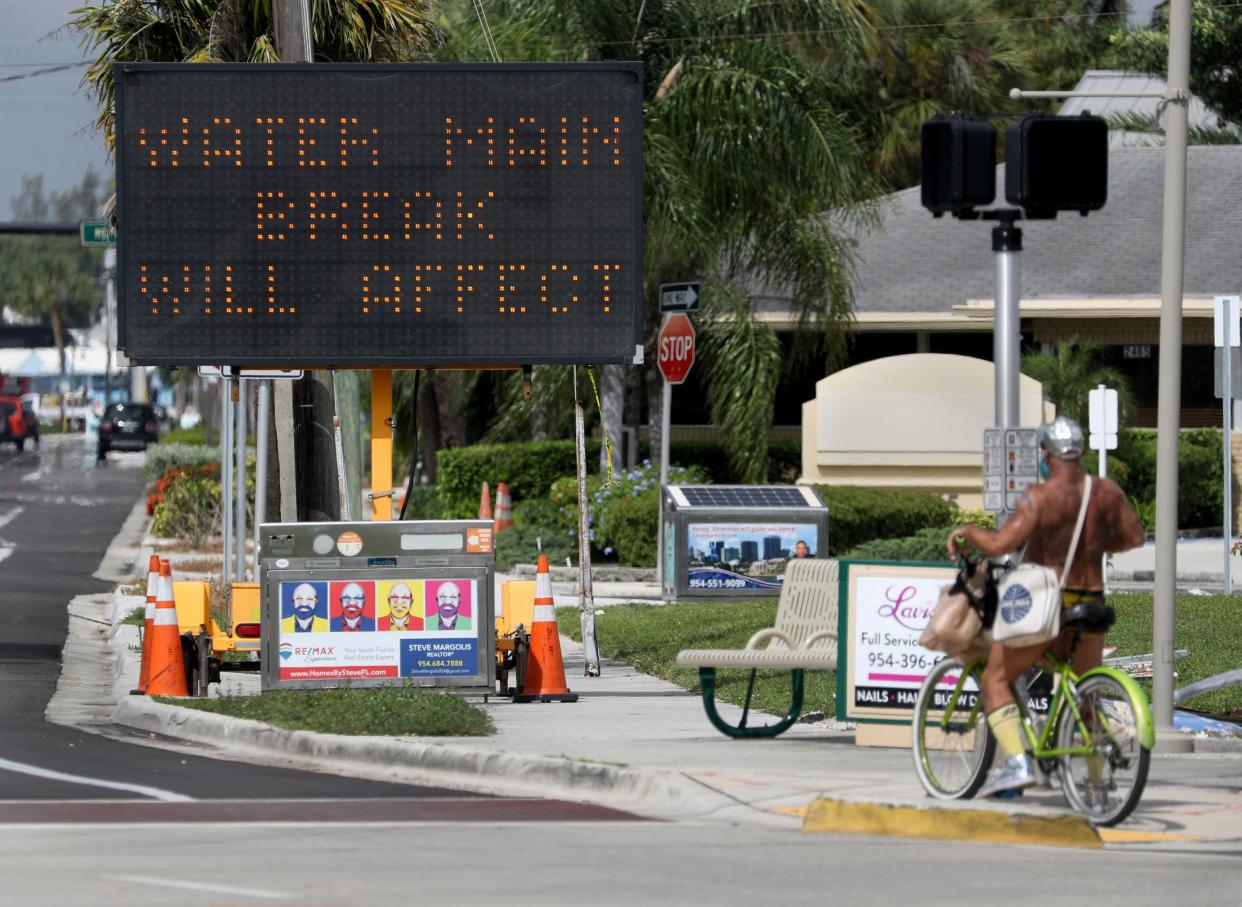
(49,118)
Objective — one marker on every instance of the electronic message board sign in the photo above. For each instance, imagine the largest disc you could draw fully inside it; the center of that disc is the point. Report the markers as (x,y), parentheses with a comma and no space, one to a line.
(379,215)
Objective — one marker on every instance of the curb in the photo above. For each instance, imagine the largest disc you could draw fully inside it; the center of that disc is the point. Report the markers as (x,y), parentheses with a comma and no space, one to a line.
(943,824)
(414,761)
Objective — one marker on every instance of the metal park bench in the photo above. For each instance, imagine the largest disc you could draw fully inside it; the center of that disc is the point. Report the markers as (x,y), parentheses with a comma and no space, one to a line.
(804,639)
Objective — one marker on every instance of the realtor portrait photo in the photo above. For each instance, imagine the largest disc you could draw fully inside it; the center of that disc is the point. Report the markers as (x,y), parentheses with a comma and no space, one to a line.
(303,608)
(448,605)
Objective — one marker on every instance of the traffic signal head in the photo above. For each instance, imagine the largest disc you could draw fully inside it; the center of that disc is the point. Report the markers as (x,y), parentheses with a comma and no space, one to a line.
(1056,164)
(958,164)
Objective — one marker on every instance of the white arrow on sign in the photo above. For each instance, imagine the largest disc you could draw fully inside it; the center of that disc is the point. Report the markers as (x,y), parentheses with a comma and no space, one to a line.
(679,297)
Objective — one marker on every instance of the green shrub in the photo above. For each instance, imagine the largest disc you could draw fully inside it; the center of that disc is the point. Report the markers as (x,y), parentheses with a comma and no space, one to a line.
(709,456)
(195,435)
(522,543)
(189,510)
(1200,490)
(530,468)
(857,514)
(978,517)
(626,514)
(924,545)
(633,529)
(163,457)
(424,503)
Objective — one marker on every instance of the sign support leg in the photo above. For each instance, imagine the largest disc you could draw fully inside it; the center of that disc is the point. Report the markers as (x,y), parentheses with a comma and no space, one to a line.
(239,476)
(1231,319)
(666,405)
(226,476)
(381,444)
(262,416)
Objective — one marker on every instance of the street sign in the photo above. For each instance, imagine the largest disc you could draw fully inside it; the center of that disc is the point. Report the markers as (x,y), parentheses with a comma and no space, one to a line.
(676,348)
(379,215)
(1218,372)
(679,297)
(1010,466)
(226,371)
(1102,418)
(97,233)
(1225,312)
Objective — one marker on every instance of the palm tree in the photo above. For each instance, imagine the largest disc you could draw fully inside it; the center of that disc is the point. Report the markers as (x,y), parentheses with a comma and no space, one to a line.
(928,57)
(742,154)
(238,31)
(1070,371)
(50,286)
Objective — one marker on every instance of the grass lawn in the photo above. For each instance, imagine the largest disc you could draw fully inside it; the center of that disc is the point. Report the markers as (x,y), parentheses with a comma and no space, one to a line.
(650,636)
(373,711)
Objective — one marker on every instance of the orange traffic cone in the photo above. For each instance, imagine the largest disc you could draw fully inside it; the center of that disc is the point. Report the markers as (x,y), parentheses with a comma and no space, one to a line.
(485,503)
(545,672)
(167,671)
(153,584)
(504,508)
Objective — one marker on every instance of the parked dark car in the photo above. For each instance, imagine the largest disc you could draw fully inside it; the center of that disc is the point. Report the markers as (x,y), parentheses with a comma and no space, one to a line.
(12,421)
(127,426)
(32,421)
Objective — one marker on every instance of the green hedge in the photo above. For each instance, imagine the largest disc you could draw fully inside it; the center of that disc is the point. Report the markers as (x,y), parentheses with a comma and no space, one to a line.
(530,468)
(924,545)
(857,515)
(1200,498)
(163,457)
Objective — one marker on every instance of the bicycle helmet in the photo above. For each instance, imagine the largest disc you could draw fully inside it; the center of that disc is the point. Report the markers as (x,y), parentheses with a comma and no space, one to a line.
(1062,438)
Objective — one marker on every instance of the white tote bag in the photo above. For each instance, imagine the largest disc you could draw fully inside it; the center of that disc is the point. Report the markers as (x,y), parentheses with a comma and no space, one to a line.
(1028,609)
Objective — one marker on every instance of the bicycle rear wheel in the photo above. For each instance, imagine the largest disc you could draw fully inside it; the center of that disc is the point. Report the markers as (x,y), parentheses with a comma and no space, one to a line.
(1106,785)
(953,745)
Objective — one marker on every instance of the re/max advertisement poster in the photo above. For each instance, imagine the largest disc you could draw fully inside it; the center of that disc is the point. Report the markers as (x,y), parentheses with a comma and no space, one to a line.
(363,629)
(745,556)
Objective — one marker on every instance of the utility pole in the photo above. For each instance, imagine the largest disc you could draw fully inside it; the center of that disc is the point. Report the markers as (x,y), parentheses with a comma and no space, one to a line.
(1169,399)
(292,27)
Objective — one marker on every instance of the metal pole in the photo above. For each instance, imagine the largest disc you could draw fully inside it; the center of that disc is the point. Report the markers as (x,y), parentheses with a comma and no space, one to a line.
(262,415)
(1169,398)
(1103,470)
(226,475)
(1231,320)
(666,396)
(239,477)
(342,481)
(586,595)
(1007,327)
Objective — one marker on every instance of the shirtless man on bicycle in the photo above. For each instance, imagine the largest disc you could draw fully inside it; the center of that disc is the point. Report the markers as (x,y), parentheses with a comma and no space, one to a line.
(1044,523)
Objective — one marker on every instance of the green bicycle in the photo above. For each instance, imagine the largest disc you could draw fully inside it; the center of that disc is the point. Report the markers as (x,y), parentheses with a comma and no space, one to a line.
(1097,735)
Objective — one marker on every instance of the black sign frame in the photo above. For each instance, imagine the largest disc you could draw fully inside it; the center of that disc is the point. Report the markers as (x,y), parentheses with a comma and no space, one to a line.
(624,340)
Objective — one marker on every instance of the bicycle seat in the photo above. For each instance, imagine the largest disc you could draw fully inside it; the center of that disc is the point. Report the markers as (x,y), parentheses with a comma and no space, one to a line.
(1088,617)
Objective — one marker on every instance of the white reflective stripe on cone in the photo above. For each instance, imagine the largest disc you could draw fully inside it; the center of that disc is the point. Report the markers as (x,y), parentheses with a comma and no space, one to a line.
(543,586)
(544,612)
(165,617)
(166,592)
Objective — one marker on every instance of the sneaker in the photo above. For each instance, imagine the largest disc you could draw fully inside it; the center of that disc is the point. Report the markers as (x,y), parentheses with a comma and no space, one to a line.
(1014,773)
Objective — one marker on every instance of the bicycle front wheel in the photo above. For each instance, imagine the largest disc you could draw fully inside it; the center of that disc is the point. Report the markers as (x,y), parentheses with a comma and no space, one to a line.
(953,745)
(1106,785)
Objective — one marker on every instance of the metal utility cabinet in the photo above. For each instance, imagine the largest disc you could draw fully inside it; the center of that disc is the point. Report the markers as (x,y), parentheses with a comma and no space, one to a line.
(373,604)
(735,540)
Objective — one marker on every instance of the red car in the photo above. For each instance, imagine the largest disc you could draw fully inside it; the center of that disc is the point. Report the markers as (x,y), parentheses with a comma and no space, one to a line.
(16,422)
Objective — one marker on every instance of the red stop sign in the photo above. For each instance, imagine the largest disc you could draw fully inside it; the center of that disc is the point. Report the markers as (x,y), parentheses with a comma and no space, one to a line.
(676,348)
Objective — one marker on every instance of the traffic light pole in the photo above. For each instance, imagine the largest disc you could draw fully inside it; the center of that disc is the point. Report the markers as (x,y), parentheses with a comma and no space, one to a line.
(1007,323)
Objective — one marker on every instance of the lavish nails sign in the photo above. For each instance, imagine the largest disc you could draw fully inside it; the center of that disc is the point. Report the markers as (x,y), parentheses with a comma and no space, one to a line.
(887,607)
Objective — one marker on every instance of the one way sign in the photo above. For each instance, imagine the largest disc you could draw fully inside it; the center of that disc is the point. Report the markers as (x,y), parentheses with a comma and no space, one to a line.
(679,297)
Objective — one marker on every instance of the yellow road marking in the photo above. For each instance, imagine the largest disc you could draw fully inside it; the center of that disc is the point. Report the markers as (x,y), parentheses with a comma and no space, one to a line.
(1127,836)
(938,823)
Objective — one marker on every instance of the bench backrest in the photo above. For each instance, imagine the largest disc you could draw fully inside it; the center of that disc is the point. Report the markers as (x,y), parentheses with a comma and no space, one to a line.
(809,599)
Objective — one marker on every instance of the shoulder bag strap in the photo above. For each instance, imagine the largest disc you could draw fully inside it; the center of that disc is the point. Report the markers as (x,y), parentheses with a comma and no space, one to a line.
(1082,516)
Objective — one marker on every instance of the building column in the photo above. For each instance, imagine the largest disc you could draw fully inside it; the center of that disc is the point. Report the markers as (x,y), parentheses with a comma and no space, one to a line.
(922,341)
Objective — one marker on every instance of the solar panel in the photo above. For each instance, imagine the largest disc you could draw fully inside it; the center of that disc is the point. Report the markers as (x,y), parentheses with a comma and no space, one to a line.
(738,496)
